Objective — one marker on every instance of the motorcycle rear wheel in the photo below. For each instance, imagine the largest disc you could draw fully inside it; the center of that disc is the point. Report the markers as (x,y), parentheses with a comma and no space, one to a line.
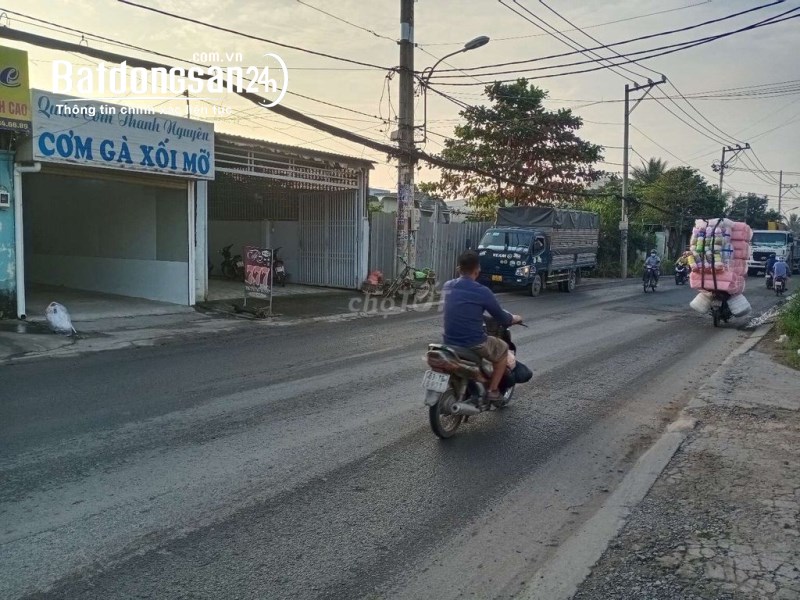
(443,424)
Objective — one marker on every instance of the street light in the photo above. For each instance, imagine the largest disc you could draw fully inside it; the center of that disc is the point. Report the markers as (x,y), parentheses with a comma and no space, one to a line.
(425,79)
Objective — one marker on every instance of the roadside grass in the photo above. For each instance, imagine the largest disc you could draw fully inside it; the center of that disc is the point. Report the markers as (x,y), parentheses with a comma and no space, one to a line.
(789,324)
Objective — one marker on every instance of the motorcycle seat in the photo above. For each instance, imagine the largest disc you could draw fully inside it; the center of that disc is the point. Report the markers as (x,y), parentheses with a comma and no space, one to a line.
(465,354)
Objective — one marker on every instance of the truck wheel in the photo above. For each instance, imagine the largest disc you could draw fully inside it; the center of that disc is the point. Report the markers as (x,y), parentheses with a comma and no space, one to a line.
(536,286)
(571,282)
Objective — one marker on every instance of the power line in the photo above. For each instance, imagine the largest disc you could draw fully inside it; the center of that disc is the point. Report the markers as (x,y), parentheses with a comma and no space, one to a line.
(623,42)
(675,48)
(522,37)
(341,20)
(252,37)
(290,113)
(37,23)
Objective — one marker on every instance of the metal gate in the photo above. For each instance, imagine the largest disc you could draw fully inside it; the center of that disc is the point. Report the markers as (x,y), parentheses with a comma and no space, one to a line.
(328,239)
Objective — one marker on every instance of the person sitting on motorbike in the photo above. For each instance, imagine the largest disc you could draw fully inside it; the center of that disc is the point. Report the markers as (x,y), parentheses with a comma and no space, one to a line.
(465,301)
(683,260)
(651,261)
(770,263)
(780,270)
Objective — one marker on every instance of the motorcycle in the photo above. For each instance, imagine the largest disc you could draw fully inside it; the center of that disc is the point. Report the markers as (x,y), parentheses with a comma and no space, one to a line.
(232,265)
(720,311)
(420,283)
(780,286)
(279,268)
(650,278)
(681,274)
(456,384)
(768,279)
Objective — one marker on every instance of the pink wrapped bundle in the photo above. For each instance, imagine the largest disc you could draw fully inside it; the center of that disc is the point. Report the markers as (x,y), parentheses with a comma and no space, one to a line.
(741,232)
(741,250)
(727,281)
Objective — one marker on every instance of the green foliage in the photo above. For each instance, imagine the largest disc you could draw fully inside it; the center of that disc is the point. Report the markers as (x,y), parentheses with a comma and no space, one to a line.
(674,199)
(789,323)
(649,172)
(753,209)
(374,204)
(794,224)
(517,138)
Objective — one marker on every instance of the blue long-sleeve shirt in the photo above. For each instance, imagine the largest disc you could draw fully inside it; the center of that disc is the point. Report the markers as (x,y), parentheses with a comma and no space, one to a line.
(780,269)
(465,301)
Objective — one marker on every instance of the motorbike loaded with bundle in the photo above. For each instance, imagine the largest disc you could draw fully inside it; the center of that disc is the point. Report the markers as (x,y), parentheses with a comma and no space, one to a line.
(456,383)
(719,251)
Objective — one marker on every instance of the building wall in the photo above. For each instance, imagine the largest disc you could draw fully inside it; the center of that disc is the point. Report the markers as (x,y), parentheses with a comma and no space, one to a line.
(8,279)
(108,236)
(238,233)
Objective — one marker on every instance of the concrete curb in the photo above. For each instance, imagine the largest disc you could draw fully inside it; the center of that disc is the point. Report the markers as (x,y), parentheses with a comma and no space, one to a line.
(562,575)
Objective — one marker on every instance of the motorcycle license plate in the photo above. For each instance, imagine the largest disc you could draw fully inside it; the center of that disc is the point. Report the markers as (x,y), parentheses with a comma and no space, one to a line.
(239,263)
(279,269)
(497,278)
(436,382)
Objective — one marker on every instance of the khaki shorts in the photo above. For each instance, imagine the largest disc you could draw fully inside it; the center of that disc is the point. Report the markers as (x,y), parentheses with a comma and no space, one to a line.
(493,349)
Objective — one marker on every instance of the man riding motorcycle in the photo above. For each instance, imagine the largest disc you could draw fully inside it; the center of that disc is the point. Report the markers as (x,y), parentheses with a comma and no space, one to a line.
(651,261)
(465,301)
(780,270)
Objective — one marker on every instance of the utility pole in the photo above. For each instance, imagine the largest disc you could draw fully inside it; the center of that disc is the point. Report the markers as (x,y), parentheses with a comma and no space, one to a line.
(782,187)
(406,242)
(623,224)
(722,164)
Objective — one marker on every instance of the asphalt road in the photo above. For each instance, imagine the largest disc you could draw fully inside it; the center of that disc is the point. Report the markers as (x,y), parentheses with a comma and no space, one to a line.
(298,462)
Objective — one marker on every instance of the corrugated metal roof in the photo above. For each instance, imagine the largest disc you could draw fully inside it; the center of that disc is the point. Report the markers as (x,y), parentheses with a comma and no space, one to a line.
(298,151)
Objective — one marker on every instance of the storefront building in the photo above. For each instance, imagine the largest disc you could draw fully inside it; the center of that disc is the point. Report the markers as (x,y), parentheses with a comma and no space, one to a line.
(107,200)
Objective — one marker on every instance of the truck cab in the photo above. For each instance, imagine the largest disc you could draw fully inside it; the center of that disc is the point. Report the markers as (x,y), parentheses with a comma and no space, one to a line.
(770,242)
(510,255)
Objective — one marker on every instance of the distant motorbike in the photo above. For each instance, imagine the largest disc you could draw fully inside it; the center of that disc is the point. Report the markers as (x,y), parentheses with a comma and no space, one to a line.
(720,311)
(456,383)
(681,274)
(780,285)
(279,268)
(650,278)
(232,265)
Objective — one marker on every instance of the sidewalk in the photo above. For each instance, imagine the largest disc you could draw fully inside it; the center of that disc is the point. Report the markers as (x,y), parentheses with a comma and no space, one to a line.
(722,520)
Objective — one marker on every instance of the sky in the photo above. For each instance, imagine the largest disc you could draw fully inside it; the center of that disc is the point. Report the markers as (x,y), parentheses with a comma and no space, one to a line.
(363,99)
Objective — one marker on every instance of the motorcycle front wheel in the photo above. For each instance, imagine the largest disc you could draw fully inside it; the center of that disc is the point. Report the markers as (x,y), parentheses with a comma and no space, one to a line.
(506,399)
(422,292)
(443,424)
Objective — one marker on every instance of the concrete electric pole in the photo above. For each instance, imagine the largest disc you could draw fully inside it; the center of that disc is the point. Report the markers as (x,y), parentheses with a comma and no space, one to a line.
(406,242)
(722,164)
(623,224)
(782,187)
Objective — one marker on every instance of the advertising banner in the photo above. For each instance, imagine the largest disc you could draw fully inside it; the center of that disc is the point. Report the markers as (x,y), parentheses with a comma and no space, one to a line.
(15,92)
(257,271)
(99,134)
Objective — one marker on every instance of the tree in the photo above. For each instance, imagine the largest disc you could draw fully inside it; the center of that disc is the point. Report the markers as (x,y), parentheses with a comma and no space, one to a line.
(794,223)
(517,138)
(675,199)
(649,172)
(753,209)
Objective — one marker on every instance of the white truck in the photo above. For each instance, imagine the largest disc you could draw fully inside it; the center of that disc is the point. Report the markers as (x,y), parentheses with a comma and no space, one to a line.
(771,242)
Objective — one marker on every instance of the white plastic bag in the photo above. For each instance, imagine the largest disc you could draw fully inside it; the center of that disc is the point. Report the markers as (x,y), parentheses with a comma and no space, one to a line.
(58,318)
